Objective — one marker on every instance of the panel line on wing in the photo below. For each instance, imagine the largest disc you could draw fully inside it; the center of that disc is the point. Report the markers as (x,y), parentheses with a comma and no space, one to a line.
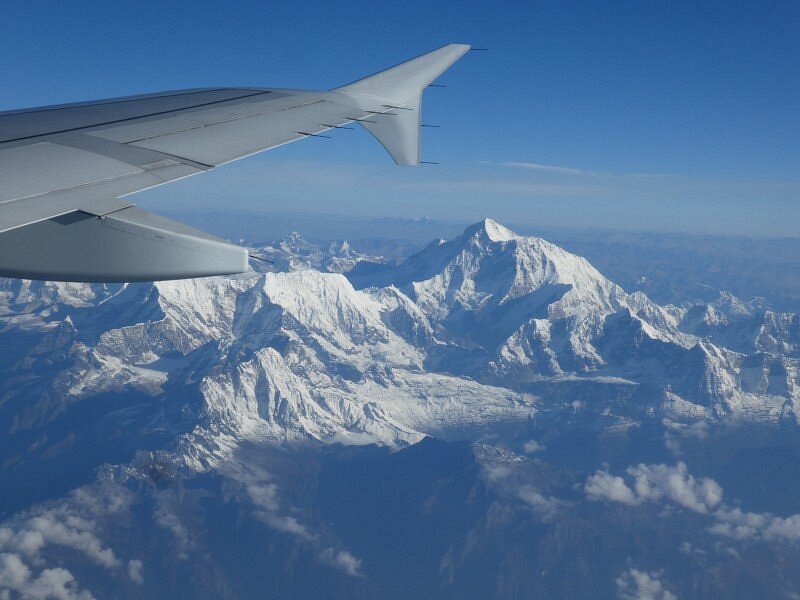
(221,122)
(30,111)
(128,119)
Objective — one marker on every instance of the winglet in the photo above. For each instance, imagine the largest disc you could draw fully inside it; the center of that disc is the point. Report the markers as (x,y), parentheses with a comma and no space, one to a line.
(394,96)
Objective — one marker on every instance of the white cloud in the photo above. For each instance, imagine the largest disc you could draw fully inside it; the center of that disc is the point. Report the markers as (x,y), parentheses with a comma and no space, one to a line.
(17,577)
(510,474)
(787,528)
(546,507)
(531,166)
(604,486)
(265,496)
(135,568)
(75,523)
(497,472)
(652,483)
(285,524)
(13,572)
(736,524)
(533,446)
(678,432)
(672,444)
(58,528)
(75,536)
(498,187)
(108,500)
(342,559)
(688,548)
(572,171)
(25,542)
(166,518)
(641,585)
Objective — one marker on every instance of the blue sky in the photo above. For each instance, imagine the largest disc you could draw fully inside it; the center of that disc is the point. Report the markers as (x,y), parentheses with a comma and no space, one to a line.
(632,115)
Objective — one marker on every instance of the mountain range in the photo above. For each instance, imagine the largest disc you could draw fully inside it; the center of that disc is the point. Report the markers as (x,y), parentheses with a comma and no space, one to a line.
(490,417)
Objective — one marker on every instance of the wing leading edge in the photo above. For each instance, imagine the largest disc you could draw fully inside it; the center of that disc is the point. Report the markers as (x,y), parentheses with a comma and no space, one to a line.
(66,172)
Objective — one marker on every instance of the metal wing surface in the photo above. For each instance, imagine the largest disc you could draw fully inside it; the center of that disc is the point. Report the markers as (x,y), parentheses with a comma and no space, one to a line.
(67,172)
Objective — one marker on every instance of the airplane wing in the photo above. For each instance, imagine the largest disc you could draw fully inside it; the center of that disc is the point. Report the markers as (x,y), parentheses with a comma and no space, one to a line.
(67,172)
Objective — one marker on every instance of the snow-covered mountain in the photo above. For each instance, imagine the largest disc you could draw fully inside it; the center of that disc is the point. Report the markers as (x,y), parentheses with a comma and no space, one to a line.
(294,253)
(481,338)
(532,316)
(487,328)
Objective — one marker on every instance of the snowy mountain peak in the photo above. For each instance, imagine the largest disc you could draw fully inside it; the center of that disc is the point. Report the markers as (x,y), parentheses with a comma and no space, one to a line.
(493,231)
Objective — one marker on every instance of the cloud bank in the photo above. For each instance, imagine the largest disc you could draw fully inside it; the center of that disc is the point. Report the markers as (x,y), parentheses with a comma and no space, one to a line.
(640,585)
(674,484)
(74,524)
